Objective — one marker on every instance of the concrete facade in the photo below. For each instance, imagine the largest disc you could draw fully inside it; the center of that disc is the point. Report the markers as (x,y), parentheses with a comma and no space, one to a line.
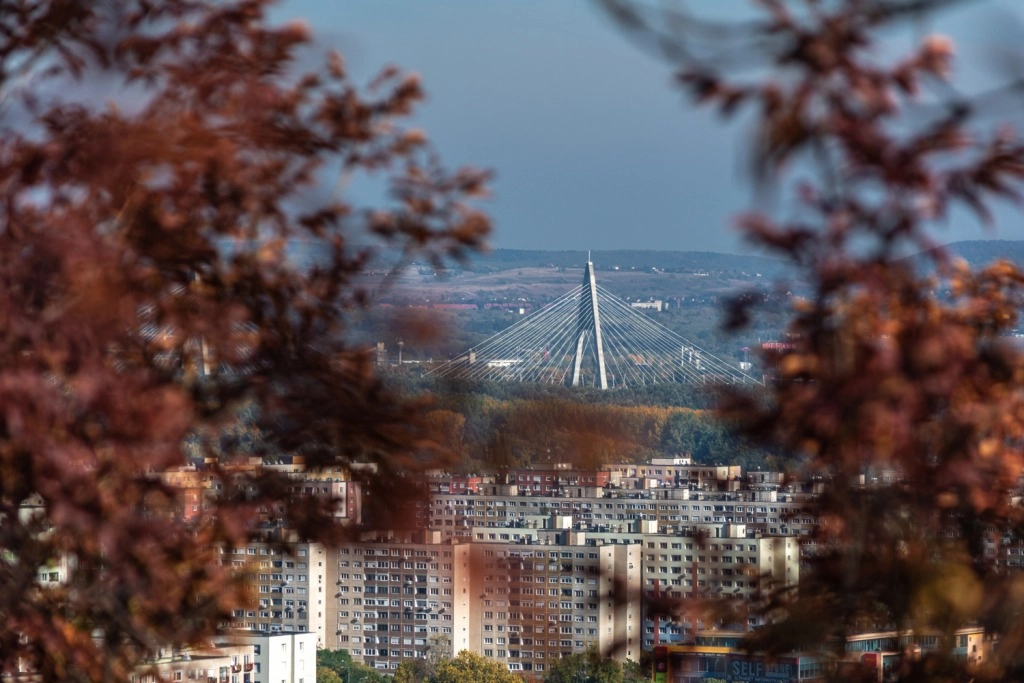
(289,586)
(522,605)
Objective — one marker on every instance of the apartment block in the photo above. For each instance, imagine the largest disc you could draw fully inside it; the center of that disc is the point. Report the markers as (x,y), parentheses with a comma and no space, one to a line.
(394,599)
(288,581)
(676,472)
(547,481)
(722,563)
(523,604)
(534,603)
(678,511)
(197,486)
(714,561)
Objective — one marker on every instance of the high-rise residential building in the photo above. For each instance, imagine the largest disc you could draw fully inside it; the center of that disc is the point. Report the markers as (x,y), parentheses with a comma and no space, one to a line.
(524,604)
(722,563)
(289,587)
(392,598)
(530,603)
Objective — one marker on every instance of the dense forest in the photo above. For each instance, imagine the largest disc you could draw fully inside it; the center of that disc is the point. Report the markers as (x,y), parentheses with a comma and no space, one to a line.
(500,426)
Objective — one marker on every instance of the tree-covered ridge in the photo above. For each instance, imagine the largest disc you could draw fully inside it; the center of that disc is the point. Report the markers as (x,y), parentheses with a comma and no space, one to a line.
(486,432)
(498,425)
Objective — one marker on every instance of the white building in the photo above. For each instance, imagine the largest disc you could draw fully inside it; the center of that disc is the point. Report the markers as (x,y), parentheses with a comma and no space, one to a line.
(280,657)
(652,305)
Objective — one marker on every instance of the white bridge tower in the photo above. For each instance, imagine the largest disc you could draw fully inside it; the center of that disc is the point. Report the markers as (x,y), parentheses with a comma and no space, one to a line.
(588,326)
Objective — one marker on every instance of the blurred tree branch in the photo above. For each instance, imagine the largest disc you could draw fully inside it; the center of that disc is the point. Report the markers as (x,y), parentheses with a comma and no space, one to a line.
(148,291)
(898,364)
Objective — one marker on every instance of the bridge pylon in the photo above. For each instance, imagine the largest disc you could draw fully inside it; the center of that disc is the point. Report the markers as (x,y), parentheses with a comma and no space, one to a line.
(588,329)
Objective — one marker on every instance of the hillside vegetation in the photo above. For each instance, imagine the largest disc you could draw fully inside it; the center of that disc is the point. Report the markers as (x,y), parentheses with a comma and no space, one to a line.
(485,432)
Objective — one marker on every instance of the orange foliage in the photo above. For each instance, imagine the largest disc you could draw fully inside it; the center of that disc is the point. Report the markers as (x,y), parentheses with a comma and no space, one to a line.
(149,287)
(896,364)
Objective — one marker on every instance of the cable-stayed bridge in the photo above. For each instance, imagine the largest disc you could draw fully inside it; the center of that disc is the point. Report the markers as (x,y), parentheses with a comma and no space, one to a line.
(589,337)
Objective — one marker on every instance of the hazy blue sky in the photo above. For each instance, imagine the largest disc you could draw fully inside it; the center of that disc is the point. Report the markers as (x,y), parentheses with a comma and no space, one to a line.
(591,145)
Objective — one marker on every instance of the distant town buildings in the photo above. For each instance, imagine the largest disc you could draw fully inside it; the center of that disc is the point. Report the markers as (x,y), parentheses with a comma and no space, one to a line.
(652,305)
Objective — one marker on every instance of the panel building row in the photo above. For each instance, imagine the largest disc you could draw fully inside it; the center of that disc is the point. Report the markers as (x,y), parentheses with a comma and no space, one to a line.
(524,601)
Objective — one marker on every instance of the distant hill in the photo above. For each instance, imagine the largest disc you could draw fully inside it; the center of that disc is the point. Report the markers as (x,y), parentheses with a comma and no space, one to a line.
(982,252)
(625,259)
(975,252)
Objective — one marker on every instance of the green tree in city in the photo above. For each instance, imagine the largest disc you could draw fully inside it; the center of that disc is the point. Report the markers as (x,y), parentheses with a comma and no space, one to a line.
(327,675)
(340,663)
(364,674)
(468,667)
(636,672)
(585,667)
(412,671)
(337,661)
